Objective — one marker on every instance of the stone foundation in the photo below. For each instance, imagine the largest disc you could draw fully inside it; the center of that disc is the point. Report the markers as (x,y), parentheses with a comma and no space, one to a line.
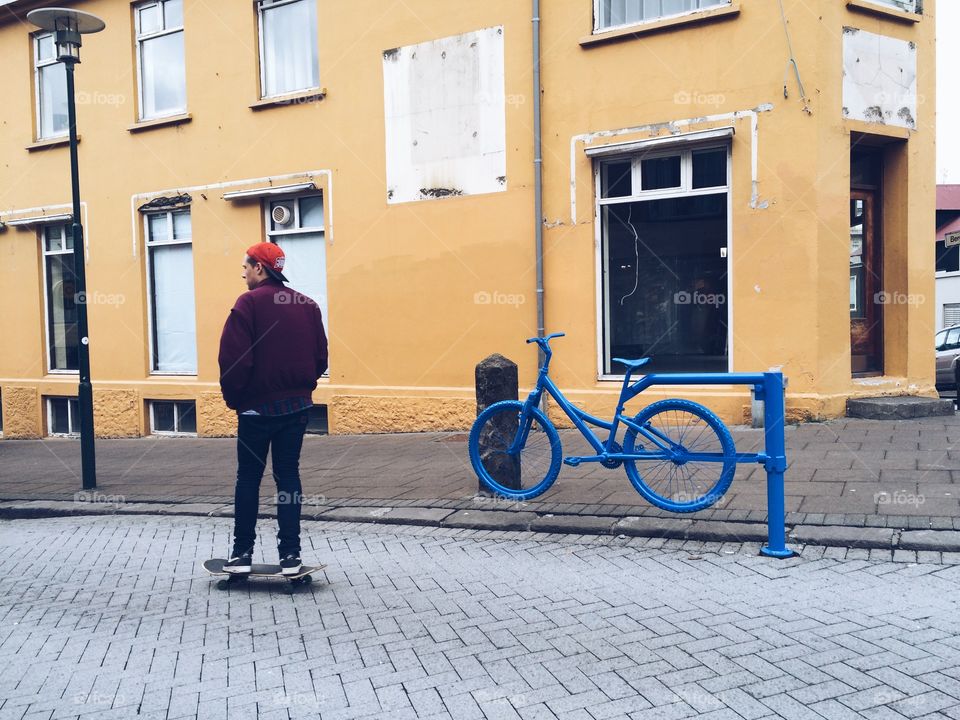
(214,418)
(22,415)
(363,414)
(116,413)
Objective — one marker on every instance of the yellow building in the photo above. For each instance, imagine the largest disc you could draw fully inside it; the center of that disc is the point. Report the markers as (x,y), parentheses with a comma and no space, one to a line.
(724,186)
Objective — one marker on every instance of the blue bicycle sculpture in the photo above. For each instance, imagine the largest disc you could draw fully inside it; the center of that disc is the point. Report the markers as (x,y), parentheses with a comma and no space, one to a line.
(677,454)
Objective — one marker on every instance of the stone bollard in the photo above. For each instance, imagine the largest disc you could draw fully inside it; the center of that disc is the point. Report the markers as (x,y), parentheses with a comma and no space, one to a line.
(496,379)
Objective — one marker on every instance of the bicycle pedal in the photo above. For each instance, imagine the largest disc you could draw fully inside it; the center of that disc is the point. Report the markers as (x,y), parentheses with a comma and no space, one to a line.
(571,461)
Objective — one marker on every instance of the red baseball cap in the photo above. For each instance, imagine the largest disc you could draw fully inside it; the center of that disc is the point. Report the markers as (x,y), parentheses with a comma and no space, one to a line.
(271,256)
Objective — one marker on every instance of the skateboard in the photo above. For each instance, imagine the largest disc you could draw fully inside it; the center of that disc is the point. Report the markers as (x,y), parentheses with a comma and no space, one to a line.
(304,577)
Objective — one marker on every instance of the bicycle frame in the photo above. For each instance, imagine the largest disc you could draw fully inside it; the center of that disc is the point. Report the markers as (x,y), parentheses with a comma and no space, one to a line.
(608,450)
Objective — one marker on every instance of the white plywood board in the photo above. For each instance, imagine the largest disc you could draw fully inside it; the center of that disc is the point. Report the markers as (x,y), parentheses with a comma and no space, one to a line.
(445,118)
(879,79)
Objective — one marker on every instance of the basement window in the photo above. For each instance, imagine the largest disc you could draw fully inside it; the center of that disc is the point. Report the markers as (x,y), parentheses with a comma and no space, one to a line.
(173,417)
(63,417)
(317,420)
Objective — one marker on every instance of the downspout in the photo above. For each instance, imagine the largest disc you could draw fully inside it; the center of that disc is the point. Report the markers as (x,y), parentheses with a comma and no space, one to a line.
(537,169)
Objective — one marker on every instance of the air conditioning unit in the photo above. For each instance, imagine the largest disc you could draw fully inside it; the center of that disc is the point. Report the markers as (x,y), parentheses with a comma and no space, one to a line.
(282,215)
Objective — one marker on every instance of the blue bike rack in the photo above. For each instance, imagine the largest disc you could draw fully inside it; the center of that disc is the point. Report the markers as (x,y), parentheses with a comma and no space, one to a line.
(768,387)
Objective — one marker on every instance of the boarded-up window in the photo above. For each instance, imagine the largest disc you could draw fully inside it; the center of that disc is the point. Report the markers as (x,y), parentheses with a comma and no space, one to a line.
(445,119)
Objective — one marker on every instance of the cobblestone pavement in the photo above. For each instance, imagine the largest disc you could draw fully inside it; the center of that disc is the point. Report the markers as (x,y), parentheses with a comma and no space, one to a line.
(860,473)
(112,617)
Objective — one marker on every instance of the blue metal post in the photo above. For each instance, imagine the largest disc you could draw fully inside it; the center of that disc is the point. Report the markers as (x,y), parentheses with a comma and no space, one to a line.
(776,464)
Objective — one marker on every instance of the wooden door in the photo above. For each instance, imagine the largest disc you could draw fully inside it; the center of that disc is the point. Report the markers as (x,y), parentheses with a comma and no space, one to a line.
(866,286)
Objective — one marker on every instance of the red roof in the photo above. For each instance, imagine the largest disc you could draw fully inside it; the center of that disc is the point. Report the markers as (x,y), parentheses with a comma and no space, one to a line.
(948,197)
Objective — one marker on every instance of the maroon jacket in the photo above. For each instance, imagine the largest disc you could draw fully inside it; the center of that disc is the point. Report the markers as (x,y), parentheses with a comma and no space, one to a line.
(273,347)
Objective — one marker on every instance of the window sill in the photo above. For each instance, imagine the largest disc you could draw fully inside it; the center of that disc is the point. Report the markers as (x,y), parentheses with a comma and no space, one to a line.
(947,274)
(160,122)
(633,31)
(50,143)
(886,12)
(299,98)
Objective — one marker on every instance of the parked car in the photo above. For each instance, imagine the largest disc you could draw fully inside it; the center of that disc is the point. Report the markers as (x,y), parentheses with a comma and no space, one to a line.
(948,352)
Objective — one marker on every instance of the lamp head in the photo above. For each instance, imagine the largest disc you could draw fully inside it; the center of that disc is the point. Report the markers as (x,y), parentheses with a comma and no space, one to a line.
(67,26)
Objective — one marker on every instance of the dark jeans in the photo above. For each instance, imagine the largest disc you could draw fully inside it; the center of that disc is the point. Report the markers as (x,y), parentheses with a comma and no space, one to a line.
(283,436)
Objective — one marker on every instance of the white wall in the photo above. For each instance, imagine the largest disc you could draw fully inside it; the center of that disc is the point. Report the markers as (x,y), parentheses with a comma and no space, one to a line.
(948,291)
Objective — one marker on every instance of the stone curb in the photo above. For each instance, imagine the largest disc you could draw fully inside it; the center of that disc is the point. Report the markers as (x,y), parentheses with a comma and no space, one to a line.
(673,528)
(872,538)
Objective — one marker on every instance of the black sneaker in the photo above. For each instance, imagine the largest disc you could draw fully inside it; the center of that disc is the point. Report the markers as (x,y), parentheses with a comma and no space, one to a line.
(290,564)
(240,564)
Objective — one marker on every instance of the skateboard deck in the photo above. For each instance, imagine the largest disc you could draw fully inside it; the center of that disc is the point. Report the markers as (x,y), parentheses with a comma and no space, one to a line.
(215,567)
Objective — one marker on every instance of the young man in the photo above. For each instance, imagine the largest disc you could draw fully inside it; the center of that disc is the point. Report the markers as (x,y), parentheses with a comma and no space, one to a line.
(272,351)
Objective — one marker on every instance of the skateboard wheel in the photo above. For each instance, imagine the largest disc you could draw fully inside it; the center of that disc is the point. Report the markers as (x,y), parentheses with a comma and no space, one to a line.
(223,584)
(307,579)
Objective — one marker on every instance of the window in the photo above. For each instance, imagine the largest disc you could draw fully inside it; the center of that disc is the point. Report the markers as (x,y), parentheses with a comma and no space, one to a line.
(951,315)
(296,225)
(951,341)
(317,423)
(948,258)
(50,84)
(664,233)
(615,13)
(63,416)
(163,86)
(60,297)
(173,417)
(907,5)
(173,326)
(288,46)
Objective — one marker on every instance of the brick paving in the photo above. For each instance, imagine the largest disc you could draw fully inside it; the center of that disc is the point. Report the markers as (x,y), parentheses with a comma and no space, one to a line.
(899,474)
(111,617)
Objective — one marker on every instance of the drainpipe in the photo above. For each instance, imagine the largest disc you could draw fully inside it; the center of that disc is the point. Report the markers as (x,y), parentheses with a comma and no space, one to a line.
(537,169)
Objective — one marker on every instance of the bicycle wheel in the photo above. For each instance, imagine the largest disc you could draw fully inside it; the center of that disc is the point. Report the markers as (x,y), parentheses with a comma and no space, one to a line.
(516,460)
(693,458)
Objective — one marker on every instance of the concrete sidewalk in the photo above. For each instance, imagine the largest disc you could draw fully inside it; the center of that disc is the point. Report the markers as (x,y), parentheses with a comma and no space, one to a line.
(844,474)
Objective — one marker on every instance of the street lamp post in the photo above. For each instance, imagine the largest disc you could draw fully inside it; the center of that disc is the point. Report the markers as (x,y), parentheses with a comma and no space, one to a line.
(68,26)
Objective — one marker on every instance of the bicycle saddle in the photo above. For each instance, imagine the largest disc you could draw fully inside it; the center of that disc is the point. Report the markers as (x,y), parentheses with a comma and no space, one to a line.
(632,364)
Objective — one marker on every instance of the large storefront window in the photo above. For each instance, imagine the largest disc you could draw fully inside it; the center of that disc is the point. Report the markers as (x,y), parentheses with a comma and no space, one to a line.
(664,232)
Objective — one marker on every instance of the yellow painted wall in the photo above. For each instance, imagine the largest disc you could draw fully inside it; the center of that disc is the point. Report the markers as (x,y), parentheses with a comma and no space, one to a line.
(406,327)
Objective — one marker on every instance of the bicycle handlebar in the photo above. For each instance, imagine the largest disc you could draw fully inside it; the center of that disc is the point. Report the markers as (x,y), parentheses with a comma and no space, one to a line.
(545,341)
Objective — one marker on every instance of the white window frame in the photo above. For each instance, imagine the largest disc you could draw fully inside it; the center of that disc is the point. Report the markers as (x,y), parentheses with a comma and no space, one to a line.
(64,233)
(140,39)
(686,151)
(38,95)
(150,244)
(176,432)
(270,4)
(73,423)
(600,28)
(272,236)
